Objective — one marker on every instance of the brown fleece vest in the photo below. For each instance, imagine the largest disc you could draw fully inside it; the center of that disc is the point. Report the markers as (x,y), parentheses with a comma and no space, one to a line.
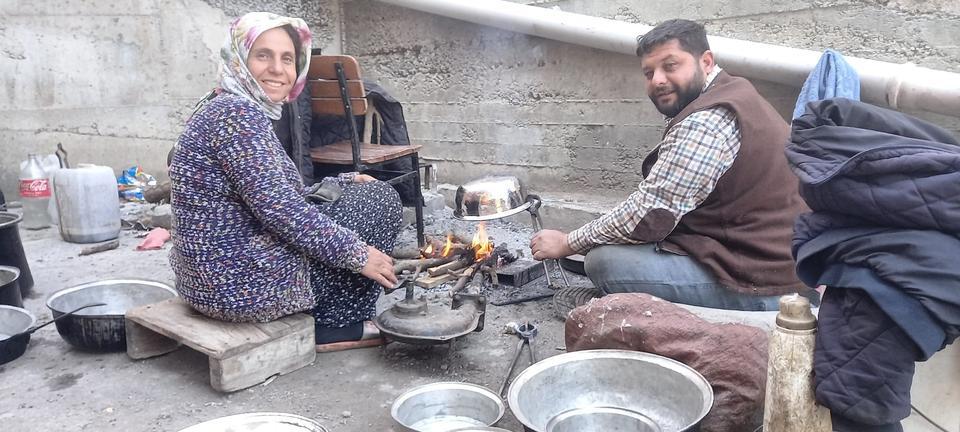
(742,232)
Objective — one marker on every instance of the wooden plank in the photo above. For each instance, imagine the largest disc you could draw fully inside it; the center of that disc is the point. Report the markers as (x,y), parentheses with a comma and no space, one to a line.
(334,106)
(322,88)
(321,67)
(176,320)
(342,154)
(434,281)
(145,343)
(251,367)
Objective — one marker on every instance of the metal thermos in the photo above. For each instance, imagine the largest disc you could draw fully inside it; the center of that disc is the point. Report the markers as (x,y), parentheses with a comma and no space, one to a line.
(790,405)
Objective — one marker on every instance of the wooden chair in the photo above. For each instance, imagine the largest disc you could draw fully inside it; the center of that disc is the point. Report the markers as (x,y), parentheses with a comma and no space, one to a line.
(336,89)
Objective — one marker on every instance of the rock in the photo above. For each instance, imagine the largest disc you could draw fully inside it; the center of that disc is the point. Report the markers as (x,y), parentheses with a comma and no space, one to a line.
(346,414)
(157,194)
(433,202)
(160,216)
(732,357)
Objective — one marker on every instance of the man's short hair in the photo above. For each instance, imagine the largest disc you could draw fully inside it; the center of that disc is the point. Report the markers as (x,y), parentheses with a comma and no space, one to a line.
(691,36)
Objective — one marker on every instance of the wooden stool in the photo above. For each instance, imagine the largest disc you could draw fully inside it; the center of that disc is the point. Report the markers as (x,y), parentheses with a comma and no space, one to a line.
(241,354)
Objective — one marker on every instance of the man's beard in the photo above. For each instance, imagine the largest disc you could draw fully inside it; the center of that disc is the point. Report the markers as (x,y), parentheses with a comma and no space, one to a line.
(685,95)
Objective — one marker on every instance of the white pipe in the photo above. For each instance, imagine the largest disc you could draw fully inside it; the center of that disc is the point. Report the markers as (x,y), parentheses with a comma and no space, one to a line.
(900,86)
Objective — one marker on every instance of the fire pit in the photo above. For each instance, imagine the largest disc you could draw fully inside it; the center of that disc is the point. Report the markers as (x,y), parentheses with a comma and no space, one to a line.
(415,320)
(472,264)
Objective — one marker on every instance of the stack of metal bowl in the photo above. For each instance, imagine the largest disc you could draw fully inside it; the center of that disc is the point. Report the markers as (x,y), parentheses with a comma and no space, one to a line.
(258,422)
(610,390)
(447,406)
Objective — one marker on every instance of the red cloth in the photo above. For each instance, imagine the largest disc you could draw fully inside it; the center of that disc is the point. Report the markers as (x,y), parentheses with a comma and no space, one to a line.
(154,240)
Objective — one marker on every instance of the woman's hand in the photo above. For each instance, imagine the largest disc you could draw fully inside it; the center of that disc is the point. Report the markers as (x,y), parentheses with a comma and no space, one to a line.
(379,268)
(363,178)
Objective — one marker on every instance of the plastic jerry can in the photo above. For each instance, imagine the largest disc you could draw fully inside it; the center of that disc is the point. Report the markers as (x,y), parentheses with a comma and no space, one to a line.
(88,203)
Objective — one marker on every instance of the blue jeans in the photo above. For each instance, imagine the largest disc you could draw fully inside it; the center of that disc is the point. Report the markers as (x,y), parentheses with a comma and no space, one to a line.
(672,277)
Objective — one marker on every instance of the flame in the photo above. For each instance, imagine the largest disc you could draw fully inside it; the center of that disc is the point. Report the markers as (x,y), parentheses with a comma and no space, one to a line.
(447,248)
(481,244)
(428,251)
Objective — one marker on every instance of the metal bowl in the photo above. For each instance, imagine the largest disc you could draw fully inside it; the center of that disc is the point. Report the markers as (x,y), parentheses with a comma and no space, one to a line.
(673,396)
(440,407)
(480,429)
(14,320)
(601,419)
(258,422)
(102,328)
(490,198)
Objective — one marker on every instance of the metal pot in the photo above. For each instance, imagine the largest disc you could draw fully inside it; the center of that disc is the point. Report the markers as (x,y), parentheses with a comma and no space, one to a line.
(102,328)
(9,287)
(444,406)
(15,329)
(490,198)
(14,337)
(670,394)
(11,250)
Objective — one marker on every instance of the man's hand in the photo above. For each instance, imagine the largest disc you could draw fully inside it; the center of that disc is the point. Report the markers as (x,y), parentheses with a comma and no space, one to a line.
(550,244)
(363,178)
(379,268)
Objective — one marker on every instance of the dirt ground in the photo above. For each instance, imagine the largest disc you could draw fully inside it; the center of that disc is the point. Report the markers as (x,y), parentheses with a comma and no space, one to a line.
(54,386)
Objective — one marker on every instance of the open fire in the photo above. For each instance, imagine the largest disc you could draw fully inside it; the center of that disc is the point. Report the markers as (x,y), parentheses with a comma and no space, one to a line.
(479,248)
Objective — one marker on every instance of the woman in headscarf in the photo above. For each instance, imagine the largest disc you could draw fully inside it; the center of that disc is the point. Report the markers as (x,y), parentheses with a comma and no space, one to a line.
(249,247)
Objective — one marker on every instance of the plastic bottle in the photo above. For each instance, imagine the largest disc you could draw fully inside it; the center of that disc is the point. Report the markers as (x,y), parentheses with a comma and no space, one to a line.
(34,194)
(790,405)
(88,203)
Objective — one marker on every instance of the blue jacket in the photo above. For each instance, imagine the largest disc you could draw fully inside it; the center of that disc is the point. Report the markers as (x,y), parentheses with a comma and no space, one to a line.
(885,191)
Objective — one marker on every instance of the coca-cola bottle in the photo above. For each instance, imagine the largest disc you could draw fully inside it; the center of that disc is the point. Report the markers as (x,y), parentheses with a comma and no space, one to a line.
(34,194)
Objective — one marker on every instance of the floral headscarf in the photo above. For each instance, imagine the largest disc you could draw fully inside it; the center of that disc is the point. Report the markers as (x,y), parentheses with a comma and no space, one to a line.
(234,75)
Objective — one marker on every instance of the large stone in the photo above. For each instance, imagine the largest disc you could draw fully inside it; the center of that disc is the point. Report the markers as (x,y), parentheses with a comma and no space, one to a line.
(732,357)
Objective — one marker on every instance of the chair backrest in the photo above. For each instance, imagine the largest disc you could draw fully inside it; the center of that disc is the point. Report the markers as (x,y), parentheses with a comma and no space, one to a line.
(324,85)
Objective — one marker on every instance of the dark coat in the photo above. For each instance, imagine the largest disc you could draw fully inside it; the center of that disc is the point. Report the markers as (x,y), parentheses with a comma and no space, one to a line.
(293,131)
(885,190)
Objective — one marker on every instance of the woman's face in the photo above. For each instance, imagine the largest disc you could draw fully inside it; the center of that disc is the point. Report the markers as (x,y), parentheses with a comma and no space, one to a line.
(273,63)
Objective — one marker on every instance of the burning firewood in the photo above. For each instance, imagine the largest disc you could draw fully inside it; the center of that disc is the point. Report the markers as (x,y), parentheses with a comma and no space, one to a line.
(450,266)
(400,266)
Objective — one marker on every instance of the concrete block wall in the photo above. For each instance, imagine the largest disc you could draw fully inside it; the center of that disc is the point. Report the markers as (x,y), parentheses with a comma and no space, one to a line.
(568,118)
(114,81)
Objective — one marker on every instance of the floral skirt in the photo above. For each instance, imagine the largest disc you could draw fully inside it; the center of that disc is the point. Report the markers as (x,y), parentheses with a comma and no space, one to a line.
(373,211)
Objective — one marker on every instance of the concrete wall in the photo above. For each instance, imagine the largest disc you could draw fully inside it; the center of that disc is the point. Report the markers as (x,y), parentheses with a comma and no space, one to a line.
(572,119)
(114,81)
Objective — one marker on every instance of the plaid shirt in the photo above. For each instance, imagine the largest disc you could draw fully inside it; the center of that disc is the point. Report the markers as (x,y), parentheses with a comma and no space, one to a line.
(693,156)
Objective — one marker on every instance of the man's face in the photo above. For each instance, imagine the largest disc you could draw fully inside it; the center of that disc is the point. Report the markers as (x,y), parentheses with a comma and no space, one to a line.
(674,77)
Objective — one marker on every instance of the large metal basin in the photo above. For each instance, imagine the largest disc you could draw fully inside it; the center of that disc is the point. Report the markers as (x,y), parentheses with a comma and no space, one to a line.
(102,328)
(673,396)
(446,406)
(258,422)
(490,198)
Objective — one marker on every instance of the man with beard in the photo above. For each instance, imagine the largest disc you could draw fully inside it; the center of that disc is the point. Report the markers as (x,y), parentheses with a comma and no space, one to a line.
(711,223)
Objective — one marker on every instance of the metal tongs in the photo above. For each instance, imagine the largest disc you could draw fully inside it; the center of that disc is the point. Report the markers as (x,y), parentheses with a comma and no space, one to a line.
(526,332)
(534,210)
